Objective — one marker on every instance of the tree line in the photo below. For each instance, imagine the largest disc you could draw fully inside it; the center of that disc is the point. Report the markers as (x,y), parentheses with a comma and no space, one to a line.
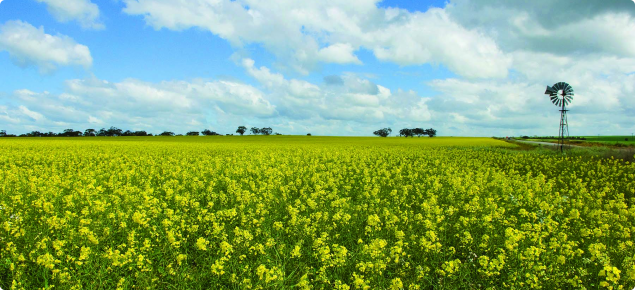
(115,132)
(406,132)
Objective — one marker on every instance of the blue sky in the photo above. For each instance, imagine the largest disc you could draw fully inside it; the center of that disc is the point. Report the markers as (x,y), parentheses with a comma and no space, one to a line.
(469,68)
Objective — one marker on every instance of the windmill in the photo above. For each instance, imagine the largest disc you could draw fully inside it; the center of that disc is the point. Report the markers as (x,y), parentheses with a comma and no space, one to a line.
(561,95)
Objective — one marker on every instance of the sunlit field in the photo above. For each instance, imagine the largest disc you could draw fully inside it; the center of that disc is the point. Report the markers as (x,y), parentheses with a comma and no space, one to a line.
(284,212)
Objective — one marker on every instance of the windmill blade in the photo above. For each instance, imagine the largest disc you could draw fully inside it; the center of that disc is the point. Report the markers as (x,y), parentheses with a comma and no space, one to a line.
(550,91)
(559,86)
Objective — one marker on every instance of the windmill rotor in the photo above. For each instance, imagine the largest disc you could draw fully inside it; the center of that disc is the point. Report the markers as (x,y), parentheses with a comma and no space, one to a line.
(562,99)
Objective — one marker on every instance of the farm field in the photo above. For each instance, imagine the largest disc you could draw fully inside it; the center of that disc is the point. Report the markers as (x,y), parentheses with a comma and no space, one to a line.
(595,140)
(611,140)
(296,212)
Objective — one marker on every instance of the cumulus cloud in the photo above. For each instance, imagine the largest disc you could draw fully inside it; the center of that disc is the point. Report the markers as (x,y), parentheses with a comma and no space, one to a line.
(347,97)
(304,33)
(134,96)
(432,37)
(341,53)
(28,45)
(84,12)
(559,27)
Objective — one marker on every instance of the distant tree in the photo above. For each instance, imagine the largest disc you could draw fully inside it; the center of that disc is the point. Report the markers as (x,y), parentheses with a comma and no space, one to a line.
(254,130)
(70,133)
(383,132)
(114,131)
(90,133)
(431,132)
(192,133)
(308,134)
(207,132)
(406,132)
(102,132)
(266,131)
(3,133)
(127,133)
(418,132)
(167,133)
(241,130)
(141,133)
(34,134)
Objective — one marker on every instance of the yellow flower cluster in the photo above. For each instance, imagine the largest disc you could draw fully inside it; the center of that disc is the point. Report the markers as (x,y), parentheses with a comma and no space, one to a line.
(283,212)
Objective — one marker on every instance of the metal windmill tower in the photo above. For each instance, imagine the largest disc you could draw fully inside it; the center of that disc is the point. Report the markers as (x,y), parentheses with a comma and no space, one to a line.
(561,95)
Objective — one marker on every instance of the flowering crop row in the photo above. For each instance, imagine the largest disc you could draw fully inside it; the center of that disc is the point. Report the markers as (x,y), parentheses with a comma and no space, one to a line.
(310,213)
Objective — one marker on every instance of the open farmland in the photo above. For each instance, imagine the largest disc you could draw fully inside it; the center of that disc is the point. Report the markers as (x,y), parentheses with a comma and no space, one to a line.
(310,212)
(613,141)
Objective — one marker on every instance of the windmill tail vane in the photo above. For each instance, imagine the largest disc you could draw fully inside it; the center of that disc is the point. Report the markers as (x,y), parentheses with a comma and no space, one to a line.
(561,95)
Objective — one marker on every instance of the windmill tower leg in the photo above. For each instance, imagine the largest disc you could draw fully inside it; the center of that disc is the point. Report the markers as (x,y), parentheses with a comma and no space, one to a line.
(564,129)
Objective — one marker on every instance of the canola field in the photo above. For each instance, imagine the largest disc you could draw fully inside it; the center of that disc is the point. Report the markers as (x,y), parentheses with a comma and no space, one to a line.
(284,212)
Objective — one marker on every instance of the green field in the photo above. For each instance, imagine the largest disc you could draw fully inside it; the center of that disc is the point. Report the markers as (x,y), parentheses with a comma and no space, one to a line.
(614,141)
(291,212)
(611,139)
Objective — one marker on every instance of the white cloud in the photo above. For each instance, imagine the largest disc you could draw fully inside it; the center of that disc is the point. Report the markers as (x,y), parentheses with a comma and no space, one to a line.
(83,11)
(93,120)
(303,33)
(432,37)
(341,53)
(29,45)
(33,115)
(174,96)
(355,99)
(559,27)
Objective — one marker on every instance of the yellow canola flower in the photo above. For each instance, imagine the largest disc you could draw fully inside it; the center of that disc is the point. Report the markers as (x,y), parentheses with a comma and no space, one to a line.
(272,212)
(201,244)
